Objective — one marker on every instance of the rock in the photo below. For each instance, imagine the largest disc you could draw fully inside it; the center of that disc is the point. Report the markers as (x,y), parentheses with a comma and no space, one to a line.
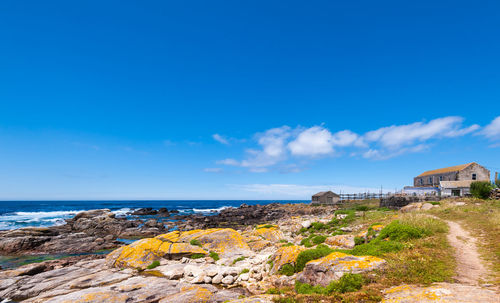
(411,207)
(285,255)
(272,234)
(334,266)
(151,223)
(254,299)
(244,277)
(341,241)
(228,280)
(440,292)
(217,279)
(306,224)
(172,271)
(426,206)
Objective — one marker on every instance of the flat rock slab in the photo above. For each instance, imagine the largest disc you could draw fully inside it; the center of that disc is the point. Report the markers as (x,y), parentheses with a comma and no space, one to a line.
(440,292)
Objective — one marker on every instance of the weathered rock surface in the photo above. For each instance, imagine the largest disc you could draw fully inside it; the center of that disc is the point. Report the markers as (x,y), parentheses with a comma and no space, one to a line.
(417,206)
(334,266)
(440,292)
(285,255)
(341,241)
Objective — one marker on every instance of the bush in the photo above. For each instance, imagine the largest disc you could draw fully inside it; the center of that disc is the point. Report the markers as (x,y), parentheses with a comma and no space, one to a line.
(306,242)
(311,254)
(397,231)
(154,264)
(318,225)
(244,271)
(347,283)
(318,239)
(214,256)
(239,259)
(362,208)
(376,247)
(481,189)
(287,270)
(195,242)
(197,256)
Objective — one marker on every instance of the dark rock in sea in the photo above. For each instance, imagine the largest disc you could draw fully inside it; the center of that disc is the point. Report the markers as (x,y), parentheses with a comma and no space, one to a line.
(148,211)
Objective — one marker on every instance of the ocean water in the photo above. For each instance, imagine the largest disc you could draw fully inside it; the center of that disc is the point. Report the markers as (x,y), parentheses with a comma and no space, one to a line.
(18,214)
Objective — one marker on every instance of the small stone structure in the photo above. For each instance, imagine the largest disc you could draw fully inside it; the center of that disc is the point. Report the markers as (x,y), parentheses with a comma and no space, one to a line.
(397,202)
(325,197)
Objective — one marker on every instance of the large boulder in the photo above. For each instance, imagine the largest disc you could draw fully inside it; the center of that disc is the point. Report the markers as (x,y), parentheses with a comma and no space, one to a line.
(334,266)
(341,241)
(224,241)
(268,232)
(285,255)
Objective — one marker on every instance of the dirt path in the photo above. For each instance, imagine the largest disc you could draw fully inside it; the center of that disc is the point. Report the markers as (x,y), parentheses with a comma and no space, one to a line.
(470,269)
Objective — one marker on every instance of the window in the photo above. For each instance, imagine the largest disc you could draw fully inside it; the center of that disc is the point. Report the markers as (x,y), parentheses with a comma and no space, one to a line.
(430,180)
(440,178)
(474,177)
(421,181)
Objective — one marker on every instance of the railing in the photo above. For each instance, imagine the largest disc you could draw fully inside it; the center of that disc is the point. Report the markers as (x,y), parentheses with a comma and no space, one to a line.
(363,196)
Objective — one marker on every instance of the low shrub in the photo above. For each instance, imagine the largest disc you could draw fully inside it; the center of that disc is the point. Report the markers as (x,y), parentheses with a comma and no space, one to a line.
(265,226)
(481,189)
(195,242)
(306,242)
(311,254)
(397,231)
(287,270)
(362,208)
(154,264)
(239,259)
(376,247)
(318,239)
(214,256)
(197,256)
(318,225)
(347,283)
(244,271)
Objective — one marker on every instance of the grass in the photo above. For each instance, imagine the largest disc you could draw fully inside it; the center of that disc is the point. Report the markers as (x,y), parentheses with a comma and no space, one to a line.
(311,254)
(266,226)
(244,271)
(154,264)
(318,239)
(287,270)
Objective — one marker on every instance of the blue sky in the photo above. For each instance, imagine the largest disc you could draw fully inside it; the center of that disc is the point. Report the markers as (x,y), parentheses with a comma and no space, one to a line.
(232,100)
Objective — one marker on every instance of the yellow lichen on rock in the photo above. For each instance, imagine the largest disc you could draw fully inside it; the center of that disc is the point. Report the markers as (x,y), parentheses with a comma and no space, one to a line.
(378,227)
(192,294)
(99,297)
(139,254)
(342,241)
(170,237)
(285,255)
(272,234)
(347,263)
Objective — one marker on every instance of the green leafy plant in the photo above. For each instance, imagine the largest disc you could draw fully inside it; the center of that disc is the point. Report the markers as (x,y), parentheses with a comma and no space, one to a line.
(195,242)
(287,270)
(266,226)
(154,264)
(481,189)
(214,256)
(197,256)
(347,283)
(318,239)
(311,254)
(239,259)
(244,271)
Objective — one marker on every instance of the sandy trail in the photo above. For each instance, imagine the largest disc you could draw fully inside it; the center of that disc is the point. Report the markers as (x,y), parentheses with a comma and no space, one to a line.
(470,269)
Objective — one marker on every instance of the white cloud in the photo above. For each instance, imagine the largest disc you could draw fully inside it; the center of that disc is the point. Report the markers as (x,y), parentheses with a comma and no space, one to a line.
(213,170)
(314,141)
(229,161)
(273,149)
(220,139)
(492,130)
(347,138)
(396,136)
(383,154)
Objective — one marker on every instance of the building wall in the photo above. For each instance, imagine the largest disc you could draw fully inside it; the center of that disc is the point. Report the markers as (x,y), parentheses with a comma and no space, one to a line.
(482,174)
(447,192)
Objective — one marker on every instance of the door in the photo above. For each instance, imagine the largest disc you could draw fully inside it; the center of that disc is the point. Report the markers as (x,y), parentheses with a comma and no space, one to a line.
(329,200)
(455,192)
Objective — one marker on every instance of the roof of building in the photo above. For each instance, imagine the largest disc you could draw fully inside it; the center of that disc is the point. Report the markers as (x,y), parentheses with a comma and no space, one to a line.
(456,184)
(445,170)
(321,193)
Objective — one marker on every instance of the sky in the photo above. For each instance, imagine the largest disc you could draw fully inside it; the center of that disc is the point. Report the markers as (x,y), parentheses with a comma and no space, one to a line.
(242,99)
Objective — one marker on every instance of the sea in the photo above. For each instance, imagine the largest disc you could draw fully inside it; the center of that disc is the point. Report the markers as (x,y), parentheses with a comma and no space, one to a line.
(19,214)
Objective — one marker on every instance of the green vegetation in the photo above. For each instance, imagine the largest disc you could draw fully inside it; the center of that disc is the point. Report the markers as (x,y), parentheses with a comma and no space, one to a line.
(214,256)
(265,226)
(306,242)
(274,291)
(287,270)
(195,242)
(154,264)
(239,259)
(244,271)
(347,283)
(497,183)
(197,256)
(311,254)
(481,189)
(397,231)
(318,239)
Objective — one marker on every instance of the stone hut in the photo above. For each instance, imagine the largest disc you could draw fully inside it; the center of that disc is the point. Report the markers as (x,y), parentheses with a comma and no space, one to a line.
(325,197)
(465,172)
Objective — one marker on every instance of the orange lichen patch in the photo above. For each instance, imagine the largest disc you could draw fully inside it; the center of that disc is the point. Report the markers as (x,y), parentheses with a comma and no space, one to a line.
(272,234)
(137,255)
(362,234)
(377,227)
(170,237)
(343,241)
(192,294)
(259,245)
(399,288)
(221,240)
(185,248)
(342,262)
(285,255)
(100,296)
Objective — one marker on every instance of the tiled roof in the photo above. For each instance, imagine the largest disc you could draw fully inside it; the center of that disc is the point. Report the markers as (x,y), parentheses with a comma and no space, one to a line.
(445,170)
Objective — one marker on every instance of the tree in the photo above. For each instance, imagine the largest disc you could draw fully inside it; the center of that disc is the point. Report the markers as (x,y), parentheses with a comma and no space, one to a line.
(481,189)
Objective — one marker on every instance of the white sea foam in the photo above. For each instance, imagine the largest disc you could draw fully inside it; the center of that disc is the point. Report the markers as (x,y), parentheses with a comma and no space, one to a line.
(122,211)
(36,218)
(210,210)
